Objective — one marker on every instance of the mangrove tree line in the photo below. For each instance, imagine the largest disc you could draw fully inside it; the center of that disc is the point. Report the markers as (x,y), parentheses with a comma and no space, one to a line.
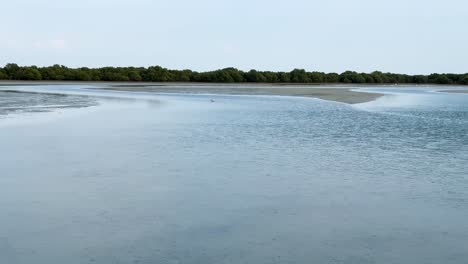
(13,71)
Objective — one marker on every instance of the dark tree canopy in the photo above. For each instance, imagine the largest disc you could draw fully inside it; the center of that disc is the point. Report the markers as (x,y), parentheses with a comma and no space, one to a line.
(56,72)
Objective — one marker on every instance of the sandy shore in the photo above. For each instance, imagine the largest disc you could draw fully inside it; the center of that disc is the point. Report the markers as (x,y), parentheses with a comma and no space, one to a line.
(454,91)
(344,95)
(339,93)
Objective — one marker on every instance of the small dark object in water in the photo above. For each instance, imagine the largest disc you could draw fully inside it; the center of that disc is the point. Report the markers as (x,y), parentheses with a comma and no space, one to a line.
(211,100)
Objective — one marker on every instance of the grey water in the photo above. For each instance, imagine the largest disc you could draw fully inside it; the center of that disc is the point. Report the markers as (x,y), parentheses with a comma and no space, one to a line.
(147,178)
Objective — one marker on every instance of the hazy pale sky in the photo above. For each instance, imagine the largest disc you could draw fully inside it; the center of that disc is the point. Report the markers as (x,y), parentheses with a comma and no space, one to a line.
(406,36)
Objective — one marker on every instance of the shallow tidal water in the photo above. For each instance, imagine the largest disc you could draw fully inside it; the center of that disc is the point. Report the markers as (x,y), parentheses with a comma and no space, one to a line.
(125,177)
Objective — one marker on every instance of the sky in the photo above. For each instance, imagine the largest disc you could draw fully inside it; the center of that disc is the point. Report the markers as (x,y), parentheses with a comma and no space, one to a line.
(403,36)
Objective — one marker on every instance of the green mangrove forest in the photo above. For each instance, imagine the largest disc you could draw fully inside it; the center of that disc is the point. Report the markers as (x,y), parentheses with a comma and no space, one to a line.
(13,71)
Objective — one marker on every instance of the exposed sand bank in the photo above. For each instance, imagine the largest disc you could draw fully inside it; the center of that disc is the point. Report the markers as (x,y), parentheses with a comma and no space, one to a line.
(344,95)
(454,91)
(339,93)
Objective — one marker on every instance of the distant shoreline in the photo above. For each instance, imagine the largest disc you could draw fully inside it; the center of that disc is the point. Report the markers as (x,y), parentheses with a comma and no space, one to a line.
(343,94)
(454,91)
(240,84)
(331,92)
(338,93)
(13,71)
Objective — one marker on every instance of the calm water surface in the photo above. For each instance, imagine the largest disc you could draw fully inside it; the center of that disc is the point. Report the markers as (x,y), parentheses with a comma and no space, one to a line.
(144,178)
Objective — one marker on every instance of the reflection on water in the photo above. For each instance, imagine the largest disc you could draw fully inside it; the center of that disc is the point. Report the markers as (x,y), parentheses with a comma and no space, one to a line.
(242,180)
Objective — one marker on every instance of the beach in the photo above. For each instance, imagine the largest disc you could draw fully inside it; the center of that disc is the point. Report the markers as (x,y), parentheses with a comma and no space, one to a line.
(455,91)
(337,94)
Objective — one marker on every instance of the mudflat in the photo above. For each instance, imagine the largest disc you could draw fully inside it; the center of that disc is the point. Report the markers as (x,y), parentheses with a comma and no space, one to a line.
(338,94)
(455,91)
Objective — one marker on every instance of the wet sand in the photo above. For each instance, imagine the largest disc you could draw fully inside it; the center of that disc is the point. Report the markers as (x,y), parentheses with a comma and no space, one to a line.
(455,91)
(337,94)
